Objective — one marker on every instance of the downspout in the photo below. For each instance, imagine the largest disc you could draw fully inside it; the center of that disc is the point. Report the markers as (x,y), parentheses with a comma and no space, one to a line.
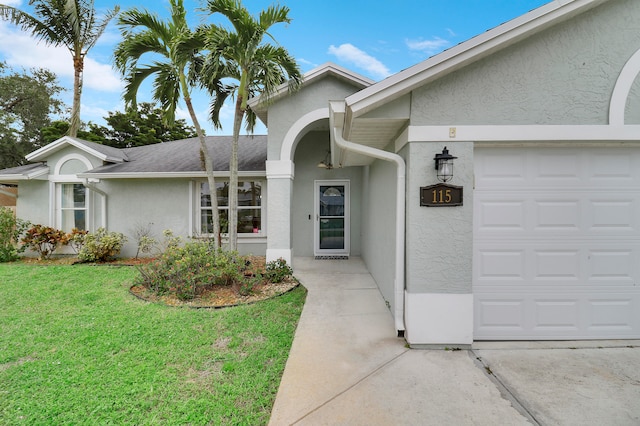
(92,187)
(398,283)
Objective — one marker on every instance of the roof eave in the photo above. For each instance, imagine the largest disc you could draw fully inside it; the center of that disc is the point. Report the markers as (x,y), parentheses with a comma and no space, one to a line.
(260,104)
(173,175)
(463,54)
(42,153)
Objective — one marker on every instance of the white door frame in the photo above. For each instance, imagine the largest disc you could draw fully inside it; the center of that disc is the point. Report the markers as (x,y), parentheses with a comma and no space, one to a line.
(347,218)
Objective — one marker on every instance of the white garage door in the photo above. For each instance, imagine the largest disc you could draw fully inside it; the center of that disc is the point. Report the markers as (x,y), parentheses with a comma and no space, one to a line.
(556,243)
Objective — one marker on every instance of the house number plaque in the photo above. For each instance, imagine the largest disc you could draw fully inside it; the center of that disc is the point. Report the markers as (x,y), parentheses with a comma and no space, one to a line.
(441,195)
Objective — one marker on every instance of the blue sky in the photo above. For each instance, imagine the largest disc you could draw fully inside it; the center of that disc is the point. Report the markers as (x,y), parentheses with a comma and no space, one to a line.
(375,38)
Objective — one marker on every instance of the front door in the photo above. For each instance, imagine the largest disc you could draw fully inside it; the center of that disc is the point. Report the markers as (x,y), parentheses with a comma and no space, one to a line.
(331,236)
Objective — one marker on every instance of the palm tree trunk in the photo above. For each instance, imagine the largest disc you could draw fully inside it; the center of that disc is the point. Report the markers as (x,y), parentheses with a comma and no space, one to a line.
(78,65)
(208,167)
(233,175)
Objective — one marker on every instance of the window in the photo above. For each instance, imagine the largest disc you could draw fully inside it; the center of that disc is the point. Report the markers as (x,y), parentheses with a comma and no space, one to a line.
(249,207)
(73,206)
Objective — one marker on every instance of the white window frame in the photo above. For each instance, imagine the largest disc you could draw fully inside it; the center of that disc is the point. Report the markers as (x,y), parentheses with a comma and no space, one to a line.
(262,207)
(57,180)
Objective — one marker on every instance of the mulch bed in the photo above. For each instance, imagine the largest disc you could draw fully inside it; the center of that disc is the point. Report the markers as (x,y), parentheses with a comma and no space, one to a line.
(217,297)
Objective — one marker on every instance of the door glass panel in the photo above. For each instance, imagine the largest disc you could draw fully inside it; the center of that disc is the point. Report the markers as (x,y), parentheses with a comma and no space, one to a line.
(332,233)
(331,220)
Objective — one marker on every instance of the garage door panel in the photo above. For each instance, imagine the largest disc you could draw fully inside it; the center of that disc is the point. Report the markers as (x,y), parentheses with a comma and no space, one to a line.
(557,244)
(532,315)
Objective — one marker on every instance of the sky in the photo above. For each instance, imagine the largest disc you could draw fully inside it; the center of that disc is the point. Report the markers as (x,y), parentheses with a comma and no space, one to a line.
(374,38)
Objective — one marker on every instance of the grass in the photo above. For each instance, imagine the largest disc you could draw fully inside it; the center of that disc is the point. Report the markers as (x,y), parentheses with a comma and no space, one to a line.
(77,348)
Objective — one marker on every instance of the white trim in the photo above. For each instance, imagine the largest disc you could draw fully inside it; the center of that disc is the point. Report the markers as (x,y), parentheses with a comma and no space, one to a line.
(317,251)
(58,144)
(166,175)
(439,319)
(621,91)
(33,174)
(296,131)
(524,133)
(280,169)
(69,157)
(193,187)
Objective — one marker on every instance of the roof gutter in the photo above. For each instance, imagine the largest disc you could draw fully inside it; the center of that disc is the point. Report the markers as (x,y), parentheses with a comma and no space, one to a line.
(337,108)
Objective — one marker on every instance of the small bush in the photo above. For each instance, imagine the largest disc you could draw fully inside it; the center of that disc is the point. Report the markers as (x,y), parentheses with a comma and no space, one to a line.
(76,239)
(277,270)
(101,246)
(144,239)
(44,240)
(188,270)
(11,230)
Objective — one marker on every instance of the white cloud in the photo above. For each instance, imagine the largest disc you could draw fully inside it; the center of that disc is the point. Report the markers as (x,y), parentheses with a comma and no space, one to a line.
(351,54)
(21,50)
(430,47)
(12,3)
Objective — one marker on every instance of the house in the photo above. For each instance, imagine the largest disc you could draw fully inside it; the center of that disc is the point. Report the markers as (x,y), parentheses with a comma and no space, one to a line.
(535,237)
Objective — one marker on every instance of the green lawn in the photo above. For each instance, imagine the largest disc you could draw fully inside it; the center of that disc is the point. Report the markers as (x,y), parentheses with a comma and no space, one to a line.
(77,348)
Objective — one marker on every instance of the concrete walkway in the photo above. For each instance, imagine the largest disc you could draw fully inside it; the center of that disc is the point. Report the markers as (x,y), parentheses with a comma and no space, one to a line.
(346,367)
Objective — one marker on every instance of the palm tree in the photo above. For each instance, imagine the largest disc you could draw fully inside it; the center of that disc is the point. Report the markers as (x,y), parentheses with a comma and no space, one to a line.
(173,50)
(256,67)
(69,23)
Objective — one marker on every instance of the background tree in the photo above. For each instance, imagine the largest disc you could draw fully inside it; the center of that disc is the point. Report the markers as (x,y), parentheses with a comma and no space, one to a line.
(26,102)
(173,50)
(69,23)
(88,132)
(142,126)
(257,67)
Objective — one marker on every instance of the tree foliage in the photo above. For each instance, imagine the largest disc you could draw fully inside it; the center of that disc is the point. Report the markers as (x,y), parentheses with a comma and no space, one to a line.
(142,126)
(173,54)
(26,102)
(255,66)
(69,23)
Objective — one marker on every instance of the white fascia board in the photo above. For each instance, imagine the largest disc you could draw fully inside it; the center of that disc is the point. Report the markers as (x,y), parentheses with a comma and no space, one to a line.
(172,175)
(34,174)
(321,71)
(523,133)
(45,151)
(462,54)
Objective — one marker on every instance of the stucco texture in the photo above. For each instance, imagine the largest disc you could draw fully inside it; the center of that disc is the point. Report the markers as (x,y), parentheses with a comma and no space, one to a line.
(439,239)
(564,75)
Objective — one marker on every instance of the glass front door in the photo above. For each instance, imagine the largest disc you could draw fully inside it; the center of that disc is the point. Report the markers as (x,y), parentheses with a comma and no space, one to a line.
(332,218)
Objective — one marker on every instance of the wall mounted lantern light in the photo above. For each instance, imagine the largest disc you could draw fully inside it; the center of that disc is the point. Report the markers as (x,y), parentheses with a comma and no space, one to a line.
(444,165)
(326,163)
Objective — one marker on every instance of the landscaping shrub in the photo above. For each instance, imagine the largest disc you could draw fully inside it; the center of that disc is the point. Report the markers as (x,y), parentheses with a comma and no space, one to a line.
(44,240)
(277,270)
(11,229)
(76,239)
(190,269)
(101,246)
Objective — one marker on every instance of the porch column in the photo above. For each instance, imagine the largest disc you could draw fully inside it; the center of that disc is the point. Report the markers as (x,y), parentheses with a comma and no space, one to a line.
(279,193)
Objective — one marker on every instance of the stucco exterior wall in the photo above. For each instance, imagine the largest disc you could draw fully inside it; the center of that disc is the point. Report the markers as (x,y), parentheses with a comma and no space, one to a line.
(564,75)
(283,114)
(378,236)
(439,239)
(54,158)
(160,203)
(33,202)
(310,151)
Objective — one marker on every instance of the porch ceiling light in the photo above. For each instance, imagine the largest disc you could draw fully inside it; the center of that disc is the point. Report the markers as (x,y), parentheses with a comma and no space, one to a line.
(444,165)
(326,163)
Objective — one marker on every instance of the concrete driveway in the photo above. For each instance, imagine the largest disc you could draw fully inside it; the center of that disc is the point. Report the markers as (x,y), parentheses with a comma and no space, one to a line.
(346,367)
(568,383)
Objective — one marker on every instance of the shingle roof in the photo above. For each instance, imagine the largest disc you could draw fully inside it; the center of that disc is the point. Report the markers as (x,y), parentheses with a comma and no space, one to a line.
(184,156)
